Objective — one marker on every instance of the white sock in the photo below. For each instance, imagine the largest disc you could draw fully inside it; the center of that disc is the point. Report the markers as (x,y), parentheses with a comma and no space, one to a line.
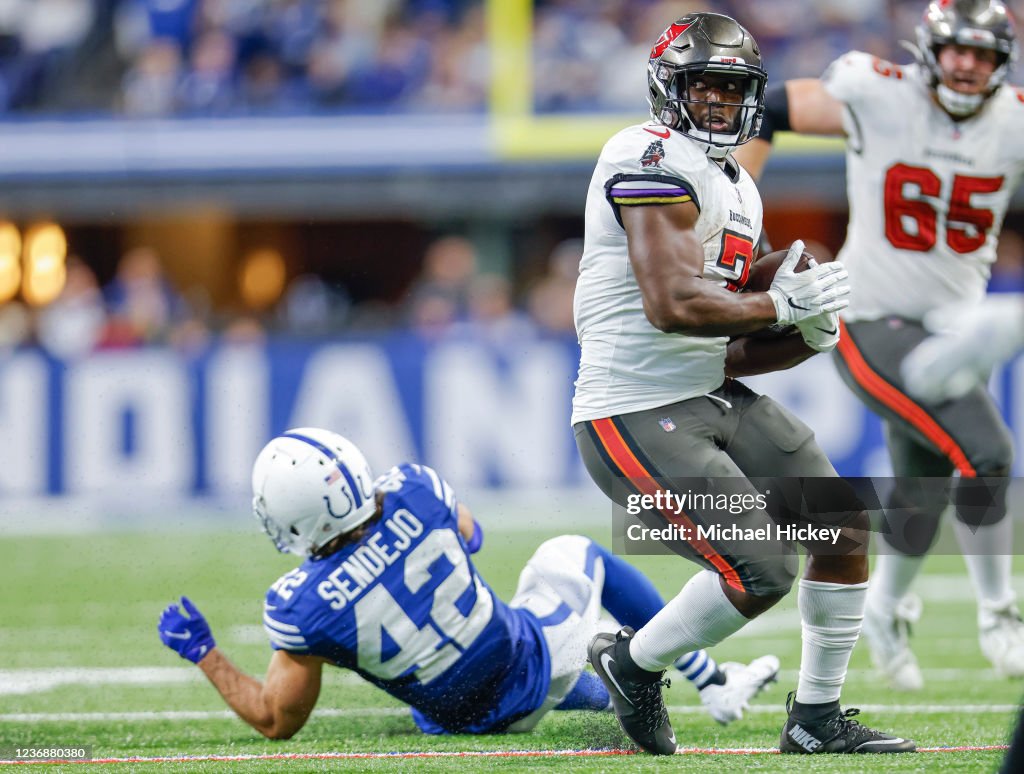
(699,616)
(987,555)
(891,578)
(831,615)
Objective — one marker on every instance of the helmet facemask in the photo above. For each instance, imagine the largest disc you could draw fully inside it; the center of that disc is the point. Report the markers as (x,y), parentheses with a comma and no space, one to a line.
(282,540)
(692,116)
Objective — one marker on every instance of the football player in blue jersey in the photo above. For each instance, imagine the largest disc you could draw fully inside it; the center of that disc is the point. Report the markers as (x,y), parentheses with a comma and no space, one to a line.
(388,590)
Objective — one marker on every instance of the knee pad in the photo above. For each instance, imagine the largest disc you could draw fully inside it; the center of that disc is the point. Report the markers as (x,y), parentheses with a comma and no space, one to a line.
(910,521)
(995,458)
(771,576)
(910,533)
(980,502)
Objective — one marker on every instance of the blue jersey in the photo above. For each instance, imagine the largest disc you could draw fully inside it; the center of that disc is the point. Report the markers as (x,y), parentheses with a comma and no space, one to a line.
(405,608)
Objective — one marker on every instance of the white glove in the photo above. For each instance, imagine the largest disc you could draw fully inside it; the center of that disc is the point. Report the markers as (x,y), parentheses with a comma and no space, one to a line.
(815,291)
(949,365)
(820,333)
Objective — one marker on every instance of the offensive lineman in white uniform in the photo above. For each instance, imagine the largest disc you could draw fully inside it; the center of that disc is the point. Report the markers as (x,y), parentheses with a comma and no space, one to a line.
(934,152)
(671,223)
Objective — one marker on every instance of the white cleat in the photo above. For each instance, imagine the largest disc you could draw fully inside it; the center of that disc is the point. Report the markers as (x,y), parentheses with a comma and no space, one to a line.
(887,633)
(1001,636)
(725,703)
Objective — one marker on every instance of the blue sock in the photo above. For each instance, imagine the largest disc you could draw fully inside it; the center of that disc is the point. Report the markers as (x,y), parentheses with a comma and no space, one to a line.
(633,600)
(628,594)
(700,669)
(589,693)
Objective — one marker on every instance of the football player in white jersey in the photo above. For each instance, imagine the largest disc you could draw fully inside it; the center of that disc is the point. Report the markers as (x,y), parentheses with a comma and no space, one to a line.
(934,151)
(671,224)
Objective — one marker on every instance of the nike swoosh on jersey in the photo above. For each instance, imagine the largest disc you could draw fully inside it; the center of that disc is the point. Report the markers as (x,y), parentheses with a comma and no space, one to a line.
(663,134)
(605,661)
(795,305)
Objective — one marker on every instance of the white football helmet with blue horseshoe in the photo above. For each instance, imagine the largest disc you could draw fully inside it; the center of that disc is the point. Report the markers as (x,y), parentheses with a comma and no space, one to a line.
(309,486)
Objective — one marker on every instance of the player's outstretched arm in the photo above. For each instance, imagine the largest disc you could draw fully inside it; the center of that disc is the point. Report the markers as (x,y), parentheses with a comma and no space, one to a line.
(277,707)
(280,705)
(802,105)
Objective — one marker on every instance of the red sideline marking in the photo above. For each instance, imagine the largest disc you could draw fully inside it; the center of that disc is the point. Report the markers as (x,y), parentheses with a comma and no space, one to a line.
(467,754)
(335,756)
(904,407)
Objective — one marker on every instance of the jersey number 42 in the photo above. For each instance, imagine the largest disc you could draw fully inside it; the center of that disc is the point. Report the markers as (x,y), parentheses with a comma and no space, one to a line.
(434,647)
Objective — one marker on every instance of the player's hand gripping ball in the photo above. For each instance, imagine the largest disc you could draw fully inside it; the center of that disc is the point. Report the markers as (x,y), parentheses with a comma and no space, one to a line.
(762,275)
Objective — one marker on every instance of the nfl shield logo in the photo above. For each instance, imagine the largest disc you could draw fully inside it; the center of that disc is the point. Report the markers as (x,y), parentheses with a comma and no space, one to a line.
(667,424)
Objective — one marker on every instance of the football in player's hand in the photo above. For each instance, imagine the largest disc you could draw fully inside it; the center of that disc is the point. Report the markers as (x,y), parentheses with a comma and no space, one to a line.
(763,271)
(760,279)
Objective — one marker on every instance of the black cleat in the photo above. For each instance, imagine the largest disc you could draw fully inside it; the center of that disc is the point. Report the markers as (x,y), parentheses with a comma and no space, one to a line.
(838,734)
(635,693)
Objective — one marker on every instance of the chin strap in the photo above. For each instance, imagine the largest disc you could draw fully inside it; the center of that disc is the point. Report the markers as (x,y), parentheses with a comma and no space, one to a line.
(958,104)
(718,152)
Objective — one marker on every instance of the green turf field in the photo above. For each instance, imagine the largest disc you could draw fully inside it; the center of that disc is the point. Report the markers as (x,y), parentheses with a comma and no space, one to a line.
(86,606)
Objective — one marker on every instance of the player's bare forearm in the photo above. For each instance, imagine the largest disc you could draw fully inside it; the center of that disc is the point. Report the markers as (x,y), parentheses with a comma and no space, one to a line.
(697,307)
(748,356)
(242,692)
(466,522)
(277,707)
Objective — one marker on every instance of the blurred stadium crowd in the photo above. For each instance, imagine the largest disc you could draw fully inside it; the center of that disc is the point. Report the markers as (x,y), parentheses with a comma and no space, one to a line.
(153,58)
(450,299)
(246,57)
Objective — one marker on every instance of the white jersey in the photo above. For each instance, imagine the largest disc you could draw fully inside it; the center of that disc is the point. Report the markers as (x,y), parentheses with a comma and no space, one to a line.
(626,363)
(927,194)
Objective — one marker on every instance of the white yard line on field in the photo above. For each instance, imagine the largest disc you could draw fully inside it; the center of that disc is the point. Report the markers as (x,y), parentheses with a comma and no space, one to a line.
(15,682)
(41,679)
(22,681)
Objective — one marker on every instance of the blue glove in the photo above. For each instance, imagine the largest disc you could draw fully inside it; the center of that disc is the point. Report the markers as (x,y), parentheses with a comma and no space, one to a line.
(476,540)
(188,637)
